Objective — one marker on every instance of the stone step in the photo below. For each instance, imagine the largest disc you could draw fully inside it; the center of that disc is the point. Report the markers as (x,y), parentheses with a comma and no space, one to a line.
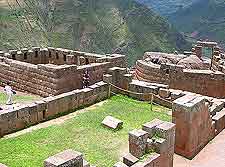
(216,106)
(219,119)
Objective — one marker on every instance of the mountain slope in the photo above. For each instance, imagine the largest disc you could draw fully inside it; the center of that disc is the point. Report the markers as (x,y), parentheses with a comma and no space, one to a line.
(166,7)
(101,26)
(204,19)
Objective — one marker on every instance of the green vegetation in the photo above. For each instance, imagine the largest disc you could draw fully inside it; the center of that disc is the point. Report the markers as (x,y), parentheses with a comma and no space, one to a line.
(204,19)
(18,98)
(84,133)
(100,26)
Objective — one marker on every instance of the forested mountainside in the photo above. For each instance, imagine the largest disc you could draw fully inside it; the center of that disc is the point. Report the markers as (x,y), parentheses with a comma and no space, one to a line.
(166,7)
(204,19)
(100,26)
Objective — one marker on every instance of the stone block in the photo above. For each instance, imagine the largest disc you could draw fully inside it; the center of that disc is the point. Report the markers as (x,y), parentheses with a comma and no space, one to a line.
(161,145)
(138,142)
(175,94)
(112,123)
(217,105)
(129,159)
(150,127)
(68,158)
(107,78)
(219,119)
(164,93)
(193,122)
(166,130)
(120,164)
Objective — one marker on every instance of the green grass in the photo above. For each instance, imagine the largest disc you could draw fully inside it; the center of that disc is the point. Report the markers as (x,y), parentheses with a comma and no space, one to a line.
(84,133)
(18,98)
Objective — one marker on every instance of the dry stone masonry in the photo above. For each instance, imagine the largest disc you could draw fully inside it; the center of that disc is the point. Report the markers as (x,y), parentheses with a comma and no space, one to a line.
(151,146)
(68,158)
(200,71)
(50,107)
(51,71)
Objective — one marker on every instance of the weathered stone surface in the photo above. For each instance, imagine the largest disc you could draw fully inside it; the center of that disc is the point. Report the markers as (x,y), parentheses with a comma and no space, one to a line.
(107,78)
(112,123)
(150,127)
(120,164)
(193,122)
(129,159)
(138,142)
(219,119)
(67,158)
(164,93)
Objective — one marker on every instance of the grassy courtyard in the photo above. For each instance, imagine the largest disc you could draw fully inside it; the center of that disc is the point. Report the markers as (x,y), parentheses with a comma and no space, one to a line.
(18,98)
(84,133)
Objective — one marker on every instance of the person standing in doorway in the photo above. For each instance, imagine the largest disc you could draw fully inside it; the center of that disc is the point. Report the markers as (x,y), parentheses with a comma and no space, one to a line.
(9,92)
(86,78)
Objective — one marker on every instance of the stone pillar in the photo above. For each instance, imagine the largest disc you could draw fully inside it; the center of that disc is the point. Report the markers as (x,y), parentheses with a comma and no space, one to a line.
(198,51)
(138,142)
(193,125)
(127,79)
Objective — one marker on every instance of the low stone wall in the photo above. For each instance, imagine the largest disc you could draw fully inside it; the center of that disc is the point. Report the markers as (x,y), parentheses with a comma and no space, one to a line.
(204,82)
(47,108)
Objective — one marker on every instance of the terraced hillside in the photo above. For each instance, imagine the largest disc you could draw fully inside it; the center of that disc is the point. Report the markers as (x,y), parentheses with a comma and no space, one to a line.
(101,26)
(205,19)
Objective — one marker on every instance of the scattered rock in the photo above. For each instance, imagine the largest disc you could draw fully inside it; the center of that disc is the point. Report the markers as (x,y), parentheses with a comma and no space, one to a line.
(112,123)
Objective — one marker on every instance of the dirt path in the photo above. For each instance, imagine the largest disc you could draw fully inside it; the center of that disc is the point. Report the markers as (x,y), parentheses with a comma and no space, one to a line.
(213,155)
(56,121)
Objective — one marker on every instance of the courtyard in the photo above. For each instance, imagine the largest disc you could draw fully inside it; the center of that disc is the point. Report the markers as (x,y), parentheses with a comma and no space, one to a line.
(20,98)
(84,133)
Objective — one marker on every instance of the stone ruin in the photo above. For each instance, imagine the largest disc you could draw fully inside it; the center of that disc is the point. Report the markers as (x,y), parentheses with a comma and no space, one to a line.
(194,93)
(153,145)
(53,71)
(200,71)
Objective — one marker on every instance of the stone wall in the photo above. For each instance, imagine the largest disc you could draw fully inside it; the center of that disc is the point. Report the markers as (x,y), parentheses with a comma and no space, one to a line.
(47,108)
(205,82)
(48,79)
(60,56)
